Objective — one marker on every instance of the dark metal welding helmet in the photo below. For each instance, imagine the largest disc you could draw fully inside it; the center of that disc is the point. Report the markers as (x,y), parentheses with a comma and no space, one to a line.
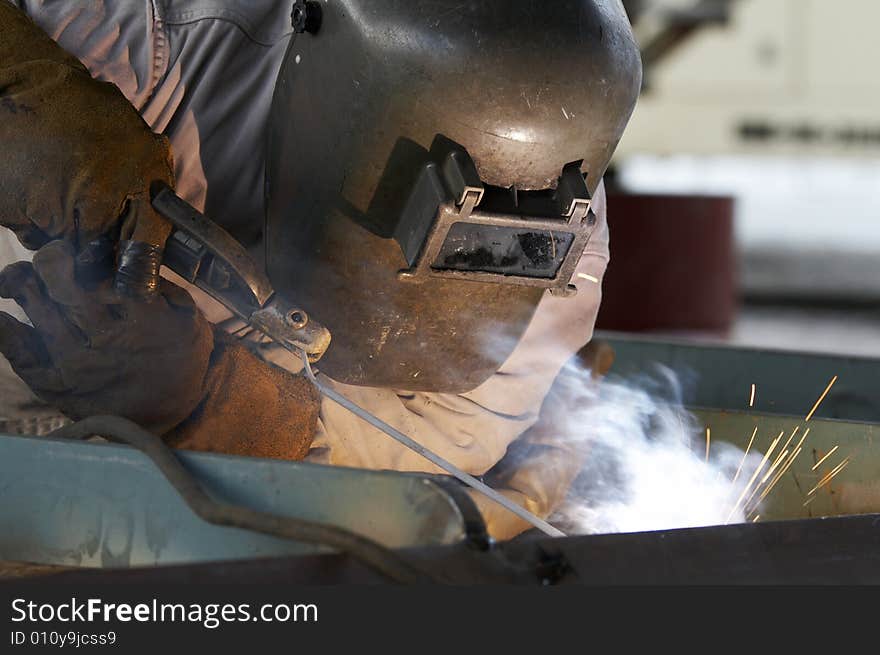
(429,173)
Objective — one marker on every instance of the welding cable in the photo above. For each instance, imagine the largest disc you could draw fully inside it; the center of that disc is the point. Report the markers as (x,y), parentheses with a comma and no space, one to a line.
(431,456)
(372,554)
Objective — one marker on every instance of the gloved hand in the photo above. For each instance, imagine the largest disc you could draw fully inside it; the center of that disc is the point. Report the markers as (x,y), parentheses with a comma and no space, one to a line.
(93,351)
(78,160)
(501,523)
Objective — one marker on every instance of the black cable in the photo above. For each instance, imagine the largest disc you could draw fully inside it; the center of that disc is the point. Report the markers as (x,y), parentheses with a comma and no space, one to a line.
(367,551)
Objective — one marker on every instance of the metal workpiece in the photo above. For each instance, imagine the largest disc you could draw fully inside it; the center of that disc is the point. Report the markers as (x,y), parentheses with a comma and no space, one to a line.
(204,254)
(120,430)
(107,505)
(717,376)
(387,88)
(838,393)
(855,490)
(842,550)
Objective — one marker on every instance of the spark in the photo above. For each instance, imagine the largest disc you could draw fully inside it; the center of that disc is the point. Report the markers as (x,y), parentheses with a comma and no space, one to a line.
(793,432)
(821,398)
(779,459)
(708,442)
(806,432)
(830,453)
(782,471)
(755,520)
(755,475)
(810,500)
(746,454)
(752,396)
(763,480)
(837,469)
(773,468)
(785,467)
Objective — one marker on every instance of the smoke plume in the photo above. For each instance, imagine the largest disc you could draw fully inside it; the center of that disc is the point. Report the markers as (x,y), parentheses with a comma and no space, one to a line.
(644,454)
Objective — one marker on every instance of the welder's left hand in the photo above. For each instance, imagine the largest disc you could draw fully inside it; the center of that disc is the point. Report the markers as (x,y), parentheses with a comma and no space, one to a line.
(501,523)
(93,351)
(540,466)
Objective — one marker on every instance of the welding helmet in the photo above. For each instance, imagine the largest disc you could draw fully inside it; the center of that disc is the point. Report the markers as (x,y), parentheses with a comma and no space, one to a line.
(429,173)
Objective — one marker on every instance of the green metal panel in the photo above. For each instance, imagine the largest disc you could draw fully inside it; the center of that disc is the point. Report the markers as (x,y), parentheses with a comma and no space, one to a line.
(716,383)
(95,504)
(720,377)
(855,490)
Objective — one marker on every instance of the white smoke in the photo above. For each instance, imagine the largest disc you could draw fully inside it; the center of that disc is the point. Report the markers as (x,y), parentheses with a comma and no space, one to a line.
(644,456)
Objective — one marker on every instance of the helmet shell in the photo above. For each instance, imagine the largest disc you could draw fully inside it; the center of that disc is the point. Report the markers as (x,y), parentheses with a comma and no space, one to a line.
(525,86)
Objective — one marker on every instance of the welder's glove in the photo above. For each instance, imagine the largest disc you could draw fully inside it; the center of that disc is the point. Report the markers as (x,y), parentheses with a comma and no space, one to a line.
(92,351)
(78,160)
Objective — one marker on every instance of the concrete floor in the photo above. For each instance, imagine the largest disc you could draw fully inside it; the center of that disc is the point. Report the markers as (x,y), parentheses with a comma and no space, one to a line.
(838,331)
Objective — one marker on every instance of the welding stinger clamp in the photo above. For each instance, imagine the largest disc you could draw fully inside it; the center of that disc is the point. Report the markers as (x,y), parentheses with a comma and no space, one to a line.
(204,254)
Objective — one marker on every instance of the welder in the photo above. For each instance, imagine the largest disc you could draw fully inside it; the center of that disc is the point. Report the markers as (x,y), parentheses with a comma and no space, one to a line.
(325,137)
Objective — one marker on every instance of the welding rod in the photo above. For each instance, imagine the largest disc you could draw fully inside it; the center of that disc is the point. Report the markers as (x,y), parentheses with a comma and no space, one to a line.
(449,467)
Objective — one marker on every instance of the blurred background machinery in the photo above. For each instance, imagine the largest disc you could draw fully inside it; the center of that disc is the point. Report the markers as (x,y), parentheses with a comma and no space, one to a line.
(769,108)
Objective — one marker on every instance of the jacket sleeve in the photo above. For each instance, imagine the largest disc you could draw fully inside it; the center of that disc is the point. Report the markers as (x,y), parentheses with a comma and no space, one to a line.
(541,465)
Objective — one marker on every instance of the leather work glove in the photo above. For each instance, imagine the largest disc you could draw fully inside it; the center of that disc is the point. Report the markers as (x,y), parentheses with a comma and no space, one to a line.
(541,465)
(94,351)
(78,160)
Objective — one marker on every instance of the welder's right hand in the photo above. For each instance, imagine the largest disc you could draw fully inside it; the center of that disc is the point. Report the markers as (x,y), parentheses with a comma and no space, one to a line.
(78,159)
